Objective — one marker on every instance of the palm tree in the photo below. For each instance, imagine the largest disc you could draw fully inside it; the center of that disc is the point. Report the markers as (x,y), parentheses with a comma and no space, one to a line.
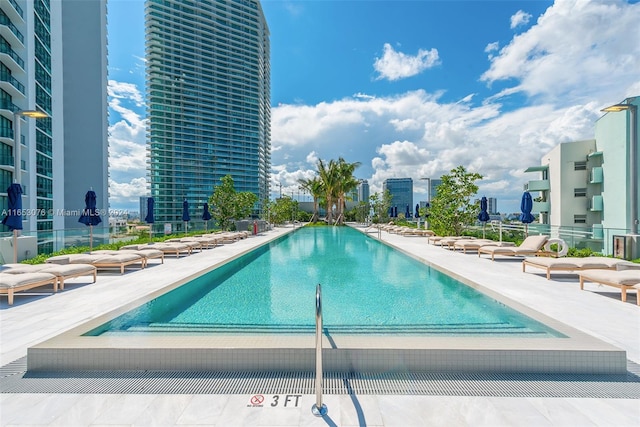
(328,174)
(315,187)
(346,183)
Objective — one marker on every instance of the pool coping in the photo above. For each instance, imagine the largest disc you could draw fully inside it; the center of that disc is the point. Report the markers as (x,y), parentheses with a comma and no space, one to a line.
(579,353)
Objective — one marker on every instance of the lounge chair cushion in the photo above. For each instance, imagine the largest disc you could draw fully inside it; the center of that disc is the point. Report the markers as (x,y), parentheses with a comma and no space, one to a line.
(8,280)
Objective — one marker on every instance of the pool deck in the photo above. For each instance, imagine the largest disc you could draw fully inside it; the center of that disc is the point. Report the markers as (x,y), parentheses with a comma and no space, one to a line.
(596,311)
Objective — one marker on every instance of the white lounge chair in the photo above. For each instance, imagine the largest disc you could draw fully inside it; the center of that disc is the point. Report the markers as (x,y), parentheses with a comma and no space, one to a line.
(61,271)
(576,264)
(12,283)
(623,279)
(532,245)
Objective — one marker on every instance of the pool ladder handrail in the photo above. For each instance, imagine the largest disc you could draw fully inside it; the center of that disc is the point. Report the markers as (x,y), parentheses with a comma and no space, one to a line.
(319,409)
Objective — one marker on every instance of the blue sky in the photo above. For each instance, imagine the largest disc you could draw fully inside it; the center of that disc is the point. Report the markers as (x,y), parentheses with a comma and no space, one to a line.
(409,88)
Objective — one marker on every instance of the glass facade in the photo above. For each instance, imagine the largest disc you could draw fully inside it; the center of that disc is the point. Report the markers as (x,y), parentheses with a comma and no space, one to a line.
(208,102)
(401,190)
(44,159)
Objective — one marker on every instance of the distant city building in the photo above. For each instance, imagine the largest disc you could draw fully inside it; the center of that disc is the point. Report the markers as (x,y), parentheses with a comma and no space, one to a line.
(401,190)
(433,187)
(209,102)
(363,191)
(492,205)
(54,60)
(143,208)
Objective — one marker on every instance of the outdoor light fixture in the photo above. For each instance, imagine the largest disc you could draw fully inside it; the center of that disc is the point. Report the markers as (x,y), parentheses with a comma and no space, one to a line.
(633,155)
(17,152)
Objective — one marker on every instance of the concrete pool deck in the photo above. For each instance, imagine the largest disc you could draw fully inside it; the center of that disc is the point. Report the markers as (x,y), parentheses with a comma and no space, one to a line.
(596,311)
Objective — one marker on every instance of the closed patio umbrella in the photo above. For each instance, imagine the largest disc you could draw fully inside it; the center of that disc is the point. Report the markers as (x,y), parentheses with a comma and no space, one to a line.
(13,219)
(206,215)
(407,212)
(483,216)
(185,214)
(90,214)
(149,219)
(526,205)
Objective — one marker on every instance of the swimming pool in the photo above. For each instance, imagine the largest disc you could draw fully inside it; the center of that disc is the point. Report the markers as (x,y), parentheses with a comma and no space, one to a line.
(368,288)
(260,351)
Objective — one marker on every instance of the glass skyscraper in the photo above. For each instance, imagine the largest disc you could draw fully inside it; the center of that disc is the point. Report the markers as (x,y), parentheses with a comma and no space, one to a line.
(401,190)
(208,102)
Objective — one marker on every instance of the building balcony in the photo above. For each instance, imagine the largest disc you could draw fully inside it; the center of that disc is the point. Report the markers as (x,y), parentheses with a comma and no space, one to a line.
(596,176)
(541,207)
(10,32)
(539,185)
(596,204)
(11,59)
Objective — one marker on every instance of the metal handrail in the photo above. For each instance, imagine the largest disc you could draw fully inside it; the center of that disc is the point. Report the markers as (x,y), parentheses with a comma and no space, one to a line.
(319,409)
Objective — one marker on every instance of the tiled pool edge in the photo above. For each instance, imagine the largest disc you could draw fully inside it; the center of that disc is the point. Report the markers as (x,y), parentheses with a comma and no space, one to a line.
(611,361)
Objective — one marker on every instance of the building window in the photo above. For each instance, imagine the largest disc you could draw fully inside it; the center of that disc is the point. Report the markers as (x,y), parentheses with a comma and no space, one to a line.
(579,219)
(579,192)
(580,166)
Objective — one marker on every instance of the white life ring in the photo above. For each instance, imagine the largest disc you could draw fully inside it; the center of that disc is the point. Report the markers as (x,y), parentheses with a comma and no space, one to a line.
(563,248)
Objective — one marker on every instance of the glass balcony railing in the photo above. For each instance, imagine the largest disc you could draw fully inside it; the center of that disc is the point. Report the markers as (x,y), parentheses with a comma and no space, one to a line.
(539,185)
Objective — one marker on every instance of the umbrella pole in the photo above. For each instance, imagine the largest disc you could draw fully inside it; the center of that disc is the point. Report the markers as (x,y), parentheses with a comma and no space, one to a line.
(205,225)
(90,238)
(185,227)
(15,246)
(484,224)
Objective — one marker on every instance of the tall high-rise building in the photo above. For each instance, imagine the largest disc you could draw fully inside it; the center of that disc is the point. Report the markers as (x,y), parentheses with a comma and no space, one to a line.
(53,61)
(208,101)
(363,191)
(401,190)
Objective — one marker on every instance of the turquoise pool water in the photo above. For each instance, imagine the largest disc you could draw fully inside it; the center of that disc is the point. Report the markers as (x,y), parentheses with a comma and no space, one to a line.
(367,287)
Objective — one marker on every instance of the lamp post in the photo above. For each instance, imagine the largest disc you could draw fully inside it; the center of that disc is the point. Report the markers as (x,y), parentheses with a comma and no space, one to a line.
(17,152)
(633,155)
(17,160)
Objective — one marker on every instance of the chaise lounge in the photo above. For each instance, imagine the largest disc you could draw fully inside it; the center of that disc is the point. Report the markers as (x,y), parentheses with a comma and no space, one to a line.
(576,264)
(623,279)
(474,244)
(11,283)
(532,245)
(61,271)
(100,261)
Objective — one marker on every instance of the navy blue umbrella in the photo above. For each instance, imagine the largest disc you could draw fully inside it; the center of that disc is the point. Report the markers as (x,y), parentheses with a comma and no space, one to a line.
(395,212)
(206,215)
(483,216)
(90,214)
(526,205)
(407,212)
(13,219)
(417,210)
(150,218)
(185,214)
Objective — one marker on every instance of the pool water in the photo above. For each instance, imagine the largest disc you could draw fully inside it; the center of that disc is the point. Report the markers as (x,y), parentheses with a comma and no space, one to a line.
(367,288)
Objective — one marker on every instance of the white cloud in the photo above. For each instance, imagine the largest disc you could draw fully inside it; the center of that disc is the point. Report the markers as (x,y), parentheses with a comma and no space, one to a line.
(123,90)
(519,19)
(397,65)
(126,193)
(573,51)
